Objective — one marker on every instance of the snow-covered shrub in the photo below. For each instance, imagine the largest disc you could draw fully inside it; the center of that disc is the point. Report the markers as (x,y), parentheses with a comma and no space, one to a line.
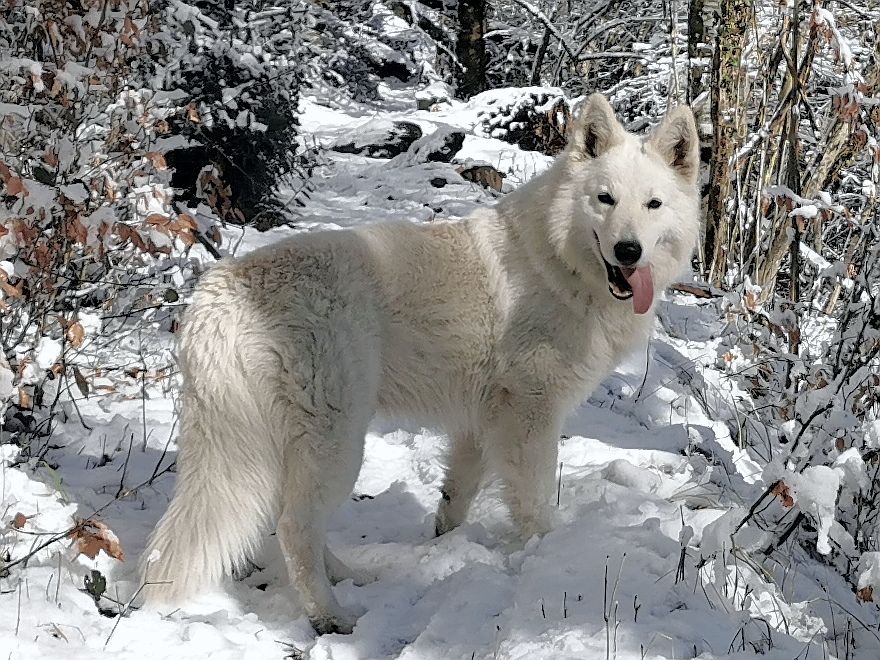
(233,79)
(354,45)
(535,118)
(88,232)
(801,254)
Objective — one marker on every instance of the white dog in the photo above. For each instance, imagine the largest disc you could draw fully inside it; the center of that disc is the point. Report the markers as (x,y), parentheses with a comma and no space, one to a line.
(492,328)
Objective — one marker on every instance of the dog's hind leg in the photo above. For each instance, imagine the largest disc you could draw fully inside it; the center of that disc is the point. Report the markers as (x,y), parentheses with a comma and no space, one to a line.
(326,424)
(463,473)
(318,479)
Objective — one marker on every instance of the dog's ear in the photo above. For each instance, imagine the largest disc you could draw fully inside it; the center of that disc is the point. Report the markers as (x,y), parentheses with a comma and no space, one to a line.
(678,143)
(596,129)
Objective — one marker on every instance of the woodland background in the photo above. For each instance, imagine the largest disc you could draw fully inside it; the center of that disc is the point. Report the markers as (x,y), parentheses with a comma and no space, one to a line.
(138,138)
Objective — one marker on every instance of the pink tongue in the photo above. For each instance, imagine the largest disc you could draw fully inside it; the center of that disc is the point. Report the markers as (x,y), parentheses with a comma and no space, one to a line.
(641,281)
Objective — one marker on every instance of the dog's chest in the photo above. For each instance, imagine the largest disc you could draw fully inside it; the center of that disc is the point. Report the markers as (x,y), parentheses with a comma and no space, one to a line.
(551,347)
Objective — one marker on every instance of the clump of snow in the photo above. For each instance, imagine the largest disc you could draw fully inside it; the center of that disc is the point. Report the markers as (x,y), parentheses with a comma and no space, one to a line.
(815,491)
(869,571)
(624,473)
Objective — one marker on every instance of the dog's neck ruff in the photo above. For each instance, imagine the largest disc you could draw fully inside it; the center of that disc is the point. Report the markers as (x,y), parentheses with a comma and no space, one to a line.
(563,281)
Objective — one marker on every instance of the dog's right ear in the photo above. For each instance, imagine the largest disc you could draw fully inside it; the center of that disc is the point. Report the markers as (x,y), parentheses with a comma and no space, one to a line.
(596,128)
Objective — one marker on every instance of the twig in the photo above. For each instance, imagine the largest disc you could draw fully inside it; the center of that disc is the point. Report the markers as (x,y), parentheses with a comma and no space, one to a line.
(697,290)
(18,616)
(164,452)
(4,569)
(559,487)
(755,506)
(799,518)
(125,609)
(125,468)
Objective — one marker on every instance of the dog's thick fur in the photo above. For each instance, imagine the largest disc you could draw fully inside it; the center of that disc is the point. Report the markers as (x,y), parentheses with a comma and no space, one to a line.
(491,328)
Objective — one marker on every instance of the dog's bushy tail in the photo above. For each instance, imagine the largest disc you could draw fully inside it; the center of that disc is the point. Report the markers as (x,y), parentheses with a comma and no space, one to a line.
(228,467)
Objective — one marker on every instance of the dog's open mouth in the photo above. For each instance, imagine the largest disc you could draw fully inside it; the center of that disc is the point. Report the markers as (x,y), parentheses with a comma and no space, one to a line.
(617,284)
(625,283)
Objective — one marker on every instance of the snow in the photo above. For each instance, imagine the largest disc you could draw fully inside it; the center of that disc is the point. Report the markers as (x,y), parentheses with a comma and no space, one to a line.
(646,558)
(815,490)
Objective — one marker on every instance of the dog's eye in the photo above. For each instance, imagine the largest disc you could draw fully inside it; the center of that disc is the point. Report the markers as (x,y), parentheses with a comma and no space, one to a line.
(654,204)
(605,198)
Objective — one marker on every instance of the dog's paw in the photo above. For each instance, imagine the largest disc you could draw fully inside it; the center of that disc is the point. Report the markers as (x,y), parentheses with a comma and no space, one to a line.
(341,623)
(535,525)
(444,521)
(441,526)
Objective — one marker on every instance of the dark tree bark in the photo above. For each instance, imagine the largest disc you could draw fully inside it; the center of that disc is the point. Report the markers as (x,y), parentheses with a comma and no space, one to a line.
(470,48)
(696,37)
(727,125)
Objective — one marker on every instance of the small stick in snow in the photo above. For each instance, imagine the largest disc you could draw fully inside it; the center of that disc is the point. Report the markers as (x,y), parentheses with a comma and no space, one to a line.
(18,616)
(121,489)
(559,487)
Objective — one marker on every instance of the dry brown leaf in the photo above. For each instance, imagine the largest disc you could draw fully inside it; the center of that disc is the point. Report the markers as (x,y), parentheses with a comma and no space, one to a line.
(92,536)
(19,520)
(158,220)
(24,399)
(126,233)
(15,187)
(13,291)
(77,230)
(866,594)
(186,220)
(57,87)
(192,114)
(76,333)
(157,159)
(81,382)
(750,301)
(782,491)
(186,238)
(131,26)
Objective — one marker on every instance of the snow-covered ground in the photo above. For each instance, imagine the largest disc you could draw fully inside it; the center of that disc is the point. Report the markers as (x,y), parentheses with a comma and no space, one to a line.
(650,489)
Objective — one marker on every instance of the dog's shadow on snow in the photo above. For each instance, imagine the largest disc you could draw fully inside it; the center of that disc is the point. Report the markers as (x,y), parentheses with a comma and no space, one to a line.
(414,577)
(643,402)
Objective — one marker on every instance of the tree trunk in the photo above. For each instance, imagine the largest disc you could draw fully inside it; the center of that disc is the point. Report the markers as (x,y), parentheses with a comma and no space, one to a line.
(470,48)
(696,37)
(535,79)
(727,122)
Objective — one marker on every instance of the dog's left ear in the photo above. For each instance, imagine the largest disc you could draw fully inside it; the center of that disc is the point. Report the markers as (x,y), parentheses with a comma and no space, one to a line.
(596,129)
(677,141)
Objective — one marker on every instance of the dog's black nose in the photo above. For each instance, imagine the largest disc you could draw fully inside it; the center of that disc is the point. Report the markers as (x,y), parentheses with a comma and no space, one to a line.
(627,252)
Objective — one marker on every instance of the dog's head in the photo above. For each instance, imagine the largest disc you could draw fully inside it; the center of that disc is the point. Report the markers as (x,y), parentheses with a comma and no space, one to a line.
(635,199)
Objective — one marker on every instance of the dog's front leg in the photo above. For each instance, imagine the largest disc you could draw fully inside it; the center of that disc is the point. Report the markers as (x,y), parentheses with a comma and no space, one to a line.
(522,447)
